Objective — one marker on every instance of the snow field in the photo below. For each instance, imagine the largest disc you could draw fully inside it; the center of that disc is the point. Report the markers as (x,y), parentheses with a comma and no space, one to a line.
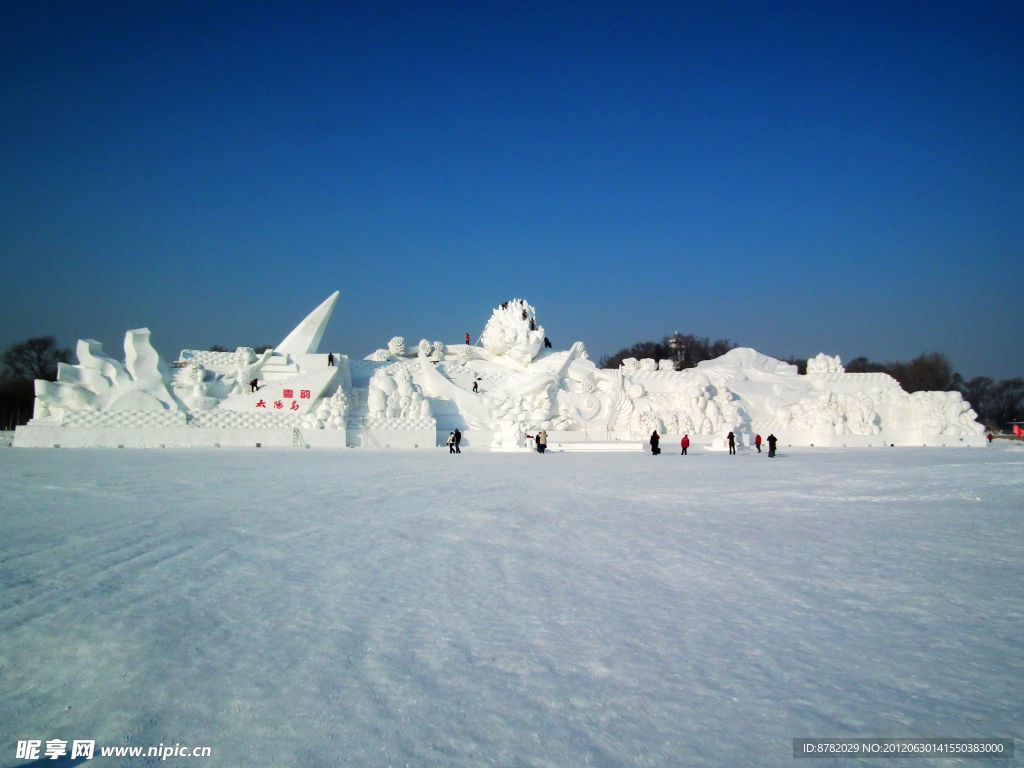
(387,608)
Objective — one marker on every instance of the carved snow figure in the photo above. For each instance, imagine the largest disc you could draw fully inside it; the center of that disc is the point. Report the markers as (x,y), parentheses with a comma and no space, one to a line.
(630,364)
(438,351)
(380,389)
(247,368)
(192,388)
(648,364)
(424,348)
(338,413)
(512,331)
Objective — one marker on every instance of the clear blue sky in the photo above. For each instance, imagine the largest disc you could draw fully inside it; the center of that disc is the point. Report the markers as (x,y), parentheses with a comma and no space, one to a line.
(797,177)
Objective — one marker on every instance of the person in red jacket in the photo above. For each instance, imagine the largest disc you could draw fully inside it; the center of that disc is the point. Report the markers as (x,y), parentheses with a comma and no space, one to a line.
(684,443)
(757,442)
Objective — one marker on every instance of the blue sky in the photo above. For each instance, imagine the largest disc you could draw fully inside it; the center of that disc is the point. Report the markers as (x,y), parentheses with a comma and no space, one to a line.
(797,177)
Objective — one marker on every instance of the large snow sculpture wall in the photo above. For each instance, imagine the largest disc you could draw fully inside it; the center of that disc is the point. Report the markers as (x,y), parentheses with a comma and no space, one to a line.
(507,386)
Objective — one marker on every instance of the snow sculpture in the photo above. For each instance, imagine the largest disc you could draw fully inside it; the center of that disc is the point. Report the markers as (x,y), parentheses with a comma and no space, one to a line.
(392,394)
(513,331)
(247,368)
(822,364)
(99,383)
(396,398)
(305,338)
(397,346)
(331,414)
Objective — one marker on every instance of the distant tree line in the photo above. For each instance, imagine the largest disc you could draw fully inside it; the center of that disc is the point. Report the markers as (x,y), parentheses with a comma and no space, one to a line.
(996,402)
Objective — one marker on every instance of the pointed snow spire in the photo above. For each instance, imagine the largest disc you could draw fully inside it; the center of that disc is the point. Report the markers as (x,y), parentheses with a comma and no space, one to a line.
(306,337)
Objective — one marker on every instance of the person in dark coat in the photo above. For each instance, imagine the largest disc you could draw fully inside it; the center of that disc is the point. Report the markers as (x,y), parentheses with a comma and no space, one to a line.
(547,343)
(458,440)
(476,387)
(732,443)
(771,445)
(254,385)
(655,439)
(757,442)
(330,358)
(684,444)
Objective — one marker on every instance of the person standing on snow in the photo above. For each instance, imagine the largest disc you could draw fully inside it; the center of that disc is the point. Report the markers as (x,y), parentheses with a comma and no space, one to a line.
(451,442)
(542,441)
(757,442)
(732,443)
(771,446)
(458,440)
(655,439)
(684,444)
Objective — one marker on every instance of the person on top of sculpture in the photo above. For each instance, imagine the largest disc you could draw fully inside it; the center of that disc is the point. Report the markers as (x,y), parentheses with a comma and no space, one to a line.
(547,343)
(330,358)
(655,439)
(476,387)
(467,338)
(732,443)
(254,385)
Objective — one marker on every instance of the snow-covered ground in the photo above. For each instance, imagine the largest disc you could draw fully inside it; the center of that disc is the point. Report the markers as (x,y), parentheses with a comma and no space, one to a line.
(305,608)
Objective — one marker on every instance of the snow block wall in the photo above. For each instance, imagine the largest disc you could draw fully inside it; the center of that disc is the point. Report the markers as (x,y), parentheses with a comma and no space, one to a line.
(508,386)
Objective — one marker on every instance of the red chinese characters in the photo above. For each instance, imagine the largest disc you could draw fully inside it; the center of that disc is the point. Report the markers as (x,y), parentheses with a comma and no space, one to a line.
(278,404)
(261,404)
(304,394)
(294,406)
(288,394)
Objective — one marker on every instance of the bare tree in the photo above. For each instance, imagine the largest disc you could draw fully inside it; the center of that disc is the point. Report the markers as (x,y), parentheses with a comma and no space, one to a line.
(36,358)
